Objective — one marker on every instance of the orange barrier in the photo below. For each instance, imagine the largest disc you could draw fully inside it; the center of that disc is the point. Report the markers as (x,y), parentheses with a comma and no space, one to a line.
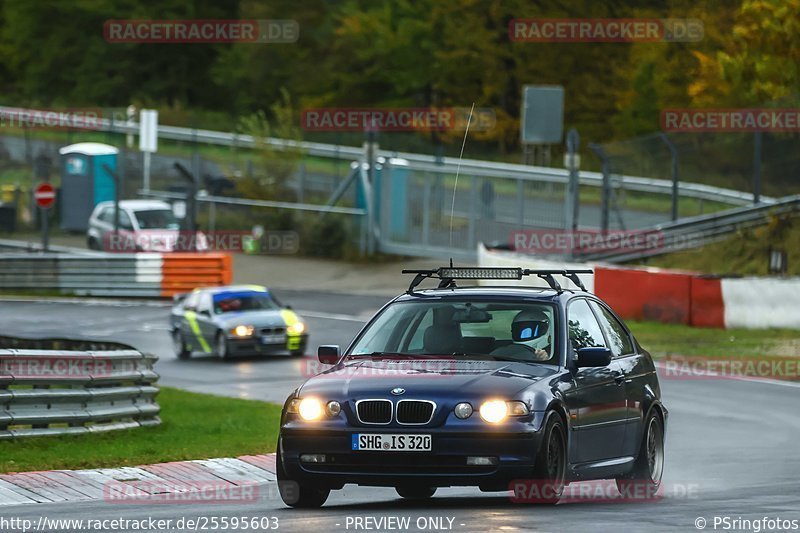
(182,272)
(642,294)
(708,307)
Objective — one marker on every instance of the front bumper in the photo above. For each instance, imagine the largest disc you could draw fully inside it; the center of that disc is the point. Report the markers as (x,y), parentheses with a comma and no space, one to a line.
(446,465)
(254,346)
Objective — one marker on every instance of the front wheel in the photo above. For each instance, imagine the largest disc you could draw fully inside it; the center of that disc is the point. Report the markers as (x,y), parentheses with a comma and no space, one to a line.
(550,470)
(645,479)
(179,345)
(293,493)
(221,346)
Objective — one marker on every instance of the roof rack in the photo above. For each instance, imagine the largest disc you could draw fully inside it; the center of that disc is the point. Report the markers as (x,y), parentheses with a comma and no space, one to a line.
(448,275)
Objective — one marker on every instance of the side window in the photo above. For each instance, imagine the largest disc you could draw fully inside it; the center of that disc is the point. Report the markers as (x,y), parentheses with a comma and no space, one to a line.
(124,220)
(204,304)
(584,331)
(105,215)
(191,301)
(620,342)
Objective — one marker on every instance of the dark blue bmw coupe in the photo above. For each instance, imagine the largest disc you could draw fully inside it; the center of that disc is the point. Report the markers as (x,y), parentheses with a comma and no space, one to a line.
(494,387)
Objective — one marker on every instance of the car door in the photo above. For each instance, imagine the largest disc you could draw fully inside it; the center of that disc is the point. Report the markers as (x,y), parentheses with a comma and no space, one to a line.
(190,327)
(205,320)
(633,368)
(597,403)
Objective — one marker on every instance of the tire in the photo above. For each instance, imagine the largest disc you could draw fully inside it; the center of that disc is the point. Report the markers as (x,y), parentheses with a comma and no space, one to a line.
(221,347)
(550,470)
(297,353)
(179,345)
(415,492)
(294,494)
(92,244)
(645,479)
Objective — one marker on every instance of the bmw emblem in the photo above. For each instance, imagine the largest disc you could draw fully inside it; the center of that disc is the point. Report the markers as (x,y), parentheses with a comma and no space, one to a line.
(397,391)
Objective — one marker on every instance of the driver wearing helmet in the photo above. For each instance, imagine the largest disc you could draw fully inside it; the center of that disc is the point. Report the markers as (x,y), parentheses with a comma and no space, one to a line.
(530,330)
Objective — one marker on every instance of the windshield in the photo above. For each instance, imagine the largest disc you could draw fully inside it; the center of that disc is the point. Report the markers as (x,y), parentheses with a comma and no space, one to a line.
(157,219)
(243,301)
(501,330)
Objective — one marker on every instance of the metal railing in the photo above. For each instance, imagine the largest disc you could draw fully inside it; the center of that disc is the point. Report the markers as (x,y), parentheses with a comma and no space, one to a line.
(68,392)
(469,166)
(696,231)
(99,274)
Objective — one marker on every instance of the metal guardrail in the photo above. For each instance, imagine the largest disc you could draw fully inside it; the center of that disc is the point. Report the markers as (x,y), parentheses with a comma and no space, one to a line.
(696,231)
(468,166)
(136,275)
(68,392)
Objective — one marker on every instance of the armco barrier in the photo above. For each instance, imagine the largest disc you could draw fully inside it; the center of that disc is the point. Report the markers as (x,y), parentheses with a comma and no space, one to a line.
(66,392)
(130,275)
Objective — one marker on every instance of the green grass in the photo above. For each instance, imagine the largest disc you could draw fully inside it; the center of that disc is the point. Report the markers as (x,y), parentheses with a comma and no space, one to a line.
(744,253)
(675,339)
(194,426)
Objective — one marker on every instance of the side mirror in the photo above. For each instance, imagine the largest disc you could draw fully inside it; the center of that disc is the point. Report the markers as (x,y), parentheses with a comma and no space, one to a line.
(204,312)
(596,356)
(328,354)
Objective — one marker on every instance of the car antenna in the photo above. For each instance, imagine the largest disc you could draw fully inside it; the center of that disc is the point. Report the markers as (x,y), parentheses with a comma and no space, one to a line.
(458,171)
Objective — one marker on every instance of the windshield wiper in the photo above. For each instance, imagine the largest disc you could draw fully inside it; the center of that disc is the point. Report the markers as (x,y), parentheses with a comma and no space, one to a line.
(384,355)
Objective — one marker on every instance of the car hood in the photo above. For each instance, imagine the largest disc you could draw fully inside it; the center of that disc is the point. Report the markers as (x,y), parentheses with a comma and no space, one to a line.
(462,378)
(258,319)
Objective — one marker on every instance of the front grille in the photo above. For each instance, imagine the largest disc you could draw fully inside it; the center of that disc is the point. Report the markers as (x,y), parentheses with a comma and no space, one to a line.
(414,412)
(273,331)
(374,411)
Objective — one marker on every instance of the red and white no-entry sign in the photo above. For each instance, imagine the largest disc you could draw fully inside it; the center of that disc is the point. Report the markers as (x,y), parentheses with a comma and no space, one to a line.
(45,195)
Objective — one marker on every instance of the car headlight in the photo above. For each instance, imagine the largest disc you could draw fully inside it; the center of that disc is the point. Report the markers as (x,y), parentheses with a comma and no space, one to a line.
(308,408)
(296,329)
(242,331)
(495,411)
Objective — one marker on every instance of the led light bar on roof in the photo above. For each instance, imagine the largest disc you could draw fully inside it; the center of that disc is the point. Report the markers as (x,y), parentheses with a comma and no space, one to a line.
(480,273)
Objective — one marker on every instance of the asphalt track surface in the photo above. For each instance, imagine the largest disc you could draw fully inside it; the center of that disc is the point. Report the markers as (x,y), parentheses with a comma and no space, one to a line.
(731,445)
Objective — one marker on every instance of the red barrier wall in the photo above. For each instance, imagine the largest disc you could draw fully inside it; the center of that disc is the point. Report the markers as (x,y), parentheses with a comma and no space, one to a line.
(708,308)
(644,295)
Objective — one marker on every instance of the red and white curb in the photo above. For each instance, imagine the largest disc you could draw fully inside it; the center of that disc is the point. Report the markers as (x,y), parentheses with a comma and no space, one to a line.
(219,478)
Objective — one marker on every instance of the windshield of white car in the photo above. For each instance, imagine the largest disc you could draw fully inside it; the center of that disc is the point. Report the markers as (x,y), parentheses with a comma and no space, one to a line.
(156,219)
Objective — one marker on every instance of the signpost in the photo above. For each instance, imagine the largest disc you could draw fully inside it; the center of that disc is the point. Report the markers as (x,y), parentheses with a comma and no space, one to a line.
(45,197)
(148,140)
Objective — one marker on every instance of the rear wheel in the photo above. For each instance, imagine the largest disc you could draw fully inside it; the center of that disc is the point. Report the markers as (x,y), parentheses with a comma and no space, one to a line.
(416,492)
(293,493)
(221,346)
(179,345)
(645,479)
(93,244)
(550,470)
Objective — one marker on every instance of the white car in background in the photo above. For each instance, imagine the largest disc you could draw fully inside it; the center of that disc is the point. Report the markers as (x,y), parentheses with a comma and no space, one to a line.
(144,226)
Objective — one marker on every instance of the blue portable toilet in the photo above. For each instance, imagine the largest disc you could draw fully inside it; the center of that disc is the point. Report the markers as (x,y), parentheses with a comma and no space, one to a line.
(85,182)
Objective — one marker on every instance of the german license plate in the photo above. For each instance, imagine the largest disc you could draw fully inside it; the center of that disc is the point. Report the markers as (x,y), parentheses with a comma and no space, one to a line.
(382,442)
(277,338)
